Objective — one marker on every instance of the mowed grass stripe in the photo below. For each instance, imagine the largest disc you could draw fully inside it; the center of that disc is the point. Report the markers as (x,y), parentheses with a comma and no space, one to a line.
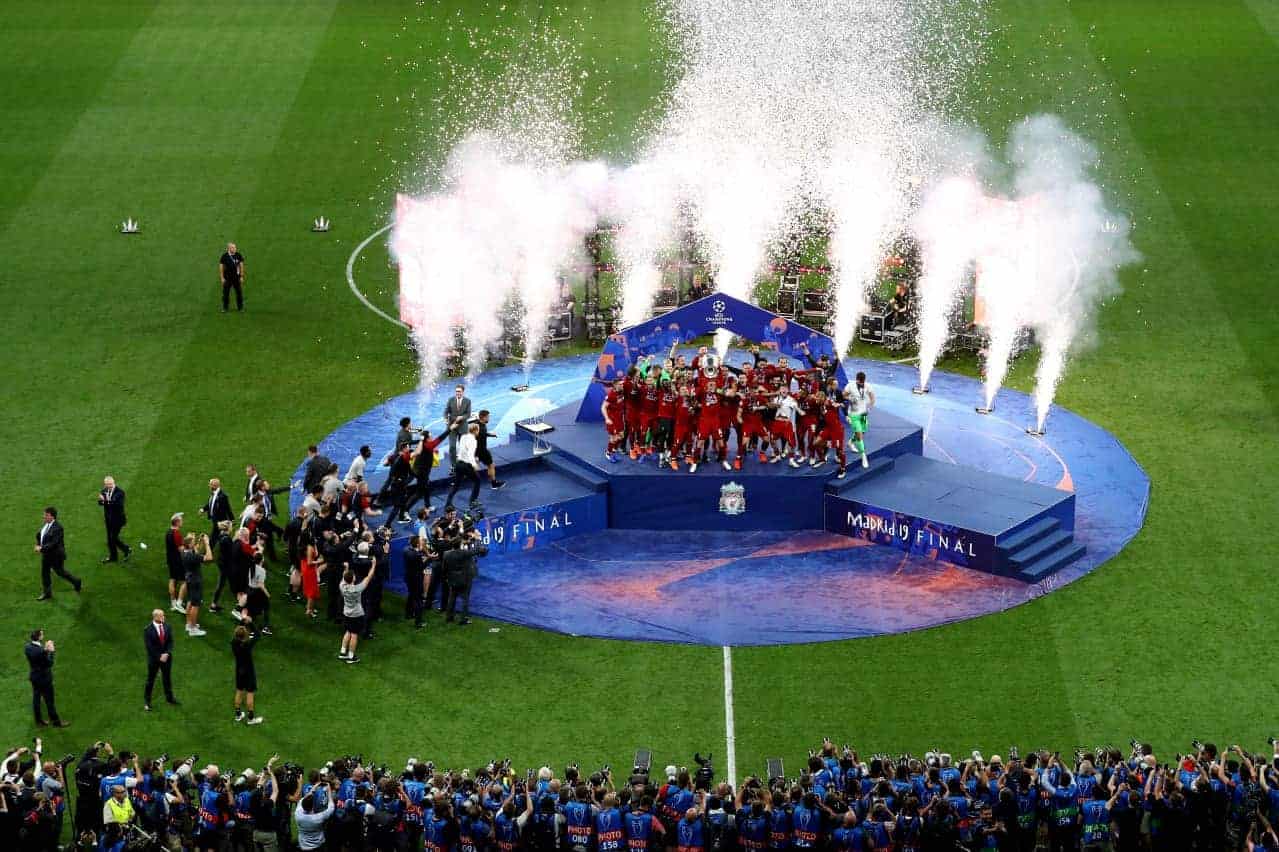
(52,72)
(183,151)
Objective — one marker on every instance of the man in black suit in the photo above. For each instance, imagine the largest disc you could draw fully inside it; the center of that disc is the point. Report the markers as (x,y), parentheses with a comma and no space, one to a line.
(159,641)
(111,499)
(218,509)
(457,411)
(317,466)
(40,658)
(460,568)
(251,488)
(53,555)
(267,528)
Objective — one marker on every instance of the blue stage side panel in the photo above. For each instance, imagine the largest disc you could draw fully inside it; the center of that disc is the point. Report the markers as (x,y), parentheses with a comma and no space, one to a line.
(522,530)
(691,502)
(917,536)
(540,525)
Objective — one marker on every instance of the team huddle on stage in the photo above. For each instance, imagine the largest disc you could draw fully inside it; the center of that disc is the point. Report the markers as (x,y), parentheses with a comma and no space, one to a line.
(677,410)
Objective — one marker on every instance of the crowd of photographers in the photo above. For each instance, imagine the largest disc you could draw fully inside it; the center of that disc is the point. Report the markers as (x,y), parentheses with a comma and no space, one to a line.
(1094,801)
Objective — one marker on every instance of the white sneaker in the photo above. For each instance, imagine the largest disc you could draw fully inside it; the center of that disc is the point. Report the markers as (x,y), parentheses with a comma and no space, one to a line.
(775,459)
(865,461)
(178,606)
(815,463)
(692,468)
(726,465)
(235,613)
(842,472)
(256,720)
(792,462)
(196,631)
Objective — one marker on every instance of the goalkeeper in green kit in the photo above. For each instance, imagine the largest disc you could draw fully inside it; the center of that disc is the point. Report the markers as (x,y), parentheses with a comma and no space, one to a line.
(861,399)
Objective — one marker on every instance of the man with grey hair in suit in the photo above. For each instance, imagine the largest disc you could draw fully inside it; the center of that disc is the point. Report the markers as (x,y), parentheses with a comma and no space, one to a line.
(457,411)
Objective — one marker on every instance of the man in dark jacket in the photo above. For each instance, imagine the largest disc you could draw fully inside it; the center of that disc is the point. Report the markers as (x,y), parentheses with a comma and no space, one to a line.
(53,555)
(461,568)
(111,499)
(40,659)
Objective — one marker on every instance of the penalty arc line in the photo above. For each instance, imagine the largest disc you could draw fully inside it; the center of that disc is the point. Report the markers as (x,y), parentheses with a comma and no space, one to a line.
(350,277)
(730,734)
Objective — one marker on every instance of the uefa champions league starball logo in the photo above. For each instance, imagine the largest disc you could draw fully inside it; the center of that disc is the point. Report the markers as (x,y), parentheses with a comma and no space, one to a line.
(718,306)
(732,498)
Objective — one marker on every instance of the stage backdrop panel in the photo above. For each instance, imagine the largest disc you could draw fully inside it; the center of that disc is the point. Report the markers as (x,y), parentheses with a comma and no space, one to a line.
(775,334)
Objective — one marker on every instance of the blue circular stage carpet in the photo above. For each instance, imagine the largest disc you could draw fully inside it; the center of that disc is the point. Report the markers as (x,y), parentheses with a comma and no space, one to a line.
(767,588)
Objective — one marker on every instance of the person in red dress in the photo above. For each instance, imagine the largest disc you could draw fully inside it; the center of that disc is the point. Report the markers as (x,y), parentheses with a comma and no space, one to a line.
(613,410)
(311,568)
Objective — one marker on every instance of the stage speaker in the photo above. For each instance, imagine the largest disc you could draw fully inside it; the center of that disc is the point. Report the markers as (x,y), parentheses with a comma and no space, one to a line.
(667,299)
(872,330)
(788,296)
(559,327)
(816,304)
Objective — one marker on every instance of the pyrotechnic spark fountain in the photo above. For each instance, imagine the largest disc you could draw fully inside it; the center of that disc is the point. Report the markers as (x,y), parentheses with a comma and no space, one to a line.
(778,114)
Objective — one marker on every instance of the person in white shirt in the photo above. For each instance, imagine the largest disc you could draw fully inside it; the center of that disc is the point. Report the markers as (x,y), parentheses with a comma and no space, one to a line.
(355,473)
(465,468)
(784,427)
(861,399)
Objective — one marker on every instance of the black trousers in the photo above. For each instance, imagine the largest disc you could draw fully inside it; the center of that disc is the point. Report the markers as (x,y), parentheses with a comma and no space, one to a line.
(414,606)
(227,286)
(420,490)
(224,582)
(267,531)
(166,677)
(334,608)
(114,545)
(463,592)
(43,692)
(464,472)
(49,566)
(438,583)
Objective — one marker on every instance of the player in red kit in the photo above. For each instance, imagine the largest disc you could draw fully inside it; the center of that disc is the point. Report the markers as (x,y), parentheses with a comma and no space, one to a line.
(667,401)
(731,403)
(710,421)
(633,398)
(806,425)
(832,431)
(685,422)
(754,433)
(648,410)
(613,410)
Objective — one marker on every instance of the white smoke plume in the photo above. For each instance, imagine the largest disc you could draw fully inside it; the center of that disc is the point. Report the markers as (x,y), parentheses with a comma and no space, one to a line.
(1046,257)
(778,115)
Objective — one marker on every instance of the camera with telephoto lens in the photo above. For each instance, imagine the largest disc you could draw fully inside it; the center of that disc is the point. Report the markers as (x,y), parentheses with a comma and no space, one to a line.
(705,773)
(1195,744)
(67,760)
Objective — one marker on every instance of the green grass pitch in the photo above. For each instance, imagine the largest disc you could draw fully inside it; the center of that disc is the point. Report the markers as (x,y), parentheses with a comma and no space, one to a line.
(245,120)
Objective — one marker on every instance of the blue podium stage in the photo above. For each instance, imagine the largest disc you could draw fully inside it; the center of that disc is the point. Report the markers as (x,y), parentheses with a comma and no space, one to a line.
(555,564)
(642,495)
(959,514)
(949,512)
